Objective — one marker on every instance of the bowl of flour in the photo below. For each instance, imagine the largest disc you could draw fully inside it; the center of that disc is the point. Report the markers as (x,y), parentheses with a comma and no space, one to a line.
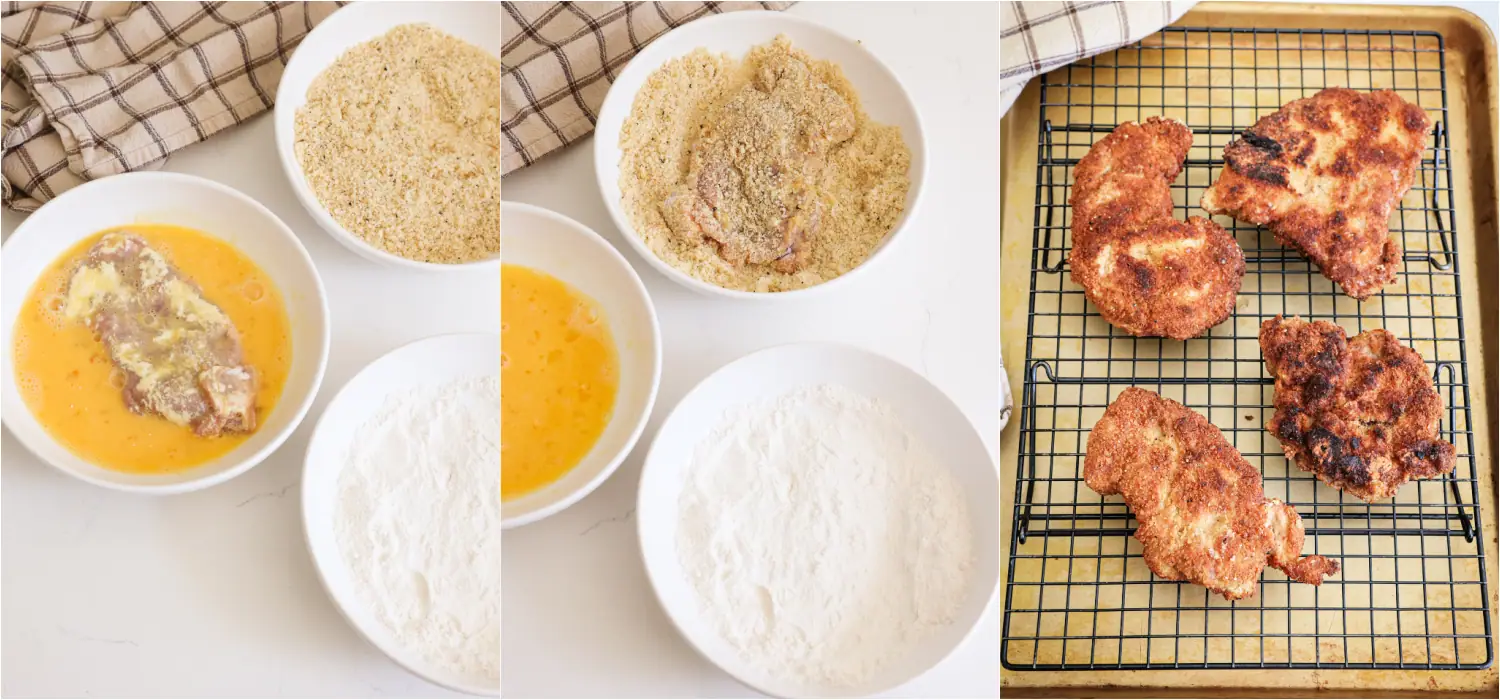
(401,507)
(818,521)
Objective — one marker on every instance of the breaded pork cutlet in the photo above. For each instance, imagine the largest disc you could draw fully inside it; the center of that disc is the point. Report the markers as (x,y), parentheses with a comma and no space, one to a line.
(1202,514)
(1323,174)
(1361,413)
(1149,274)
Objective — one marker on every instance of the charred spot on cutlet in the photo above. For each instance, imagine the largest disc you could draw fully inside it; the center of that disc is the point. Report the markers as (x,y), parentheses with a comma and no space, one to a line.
(1342,166)
(1316,387)
(1304,152)
(1414,119)
(1338,458)
(1272,147)
(1431,451)
(1368,381)
(1286,425)
(1327,359)
(1256,157)
(1269,174)
(1143,276)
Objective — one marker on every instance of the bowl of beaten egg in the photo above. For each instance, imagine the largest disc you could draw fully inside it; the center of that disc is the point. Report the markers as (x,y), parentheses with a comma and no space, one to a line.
(580,362)
(162,333)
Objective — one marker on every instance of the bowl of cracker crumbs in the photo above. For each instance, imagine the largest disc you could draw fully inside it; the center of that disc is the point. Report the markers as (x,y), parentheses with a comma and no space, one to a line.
(388,127)
(759,155)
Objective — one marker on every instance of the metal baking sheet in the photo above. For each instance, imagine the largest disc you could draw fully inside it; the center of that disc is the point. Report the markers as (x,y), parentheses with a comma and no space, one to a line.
(1414,607)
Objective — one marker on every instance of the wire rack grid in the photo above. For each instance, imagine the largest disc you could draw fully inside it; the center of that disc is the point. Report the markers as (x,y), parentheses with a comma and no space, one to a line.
(1413,588)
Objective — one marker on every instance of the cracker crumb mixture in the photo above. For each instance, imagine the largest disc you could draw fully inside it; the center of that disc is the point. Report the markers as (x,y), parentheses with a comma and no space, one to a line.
(760,175)
(400,141)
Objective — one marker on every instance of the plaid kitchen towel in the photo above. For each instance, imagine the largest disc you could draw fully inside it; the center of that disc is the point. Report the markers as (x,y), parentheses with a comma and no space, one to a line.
(1036,37)
(557,60)
(98,88)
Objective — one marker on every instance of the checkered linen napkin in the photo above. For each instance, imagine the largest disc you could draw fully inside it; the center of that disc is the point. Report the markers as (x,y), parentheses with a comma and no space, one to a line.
(98,88)
(557,61)
(1036,37)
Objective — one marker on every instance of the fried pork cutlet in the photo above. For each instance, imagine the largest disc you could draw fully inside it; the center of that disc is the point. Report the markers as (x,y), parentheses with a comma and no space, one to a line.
(1202,514)
(1360,413)
(1149,274)
(1323,173)
(179,355)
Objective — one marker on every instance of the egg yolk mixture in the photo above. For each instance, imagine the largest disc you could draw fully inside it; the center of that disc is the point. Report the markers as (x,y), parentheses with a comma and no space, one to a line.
(65,376)
(559,373)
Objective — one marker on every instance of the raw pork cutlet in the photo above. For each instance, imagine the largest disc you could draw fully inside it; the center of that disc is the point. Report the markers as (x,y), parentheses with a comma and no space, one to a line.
(753,185)
(1202,514)
(1360,413)
(179,354)
(1323,173)
(1149,274)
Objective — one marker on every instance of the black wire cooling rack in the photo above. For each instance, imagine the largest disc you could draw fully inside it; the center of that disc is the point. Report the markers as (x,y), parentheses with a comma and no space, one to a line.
(1412,592)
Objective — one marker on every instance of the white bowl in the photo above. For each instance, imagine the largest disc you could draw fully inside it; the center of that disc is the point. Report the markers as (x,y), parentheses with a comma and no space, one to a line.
(435,360)
(183,200)
(563,248)
(884,98)
(477,23)
(773,372)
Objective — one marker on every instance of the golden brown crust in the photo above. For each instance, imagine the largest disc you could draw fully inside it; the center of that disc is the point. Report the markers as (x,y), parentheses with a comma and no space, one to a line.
(1202,513)
(1362,413)
(1165,278)
(1324,174)
(1125,179)
(1149,274)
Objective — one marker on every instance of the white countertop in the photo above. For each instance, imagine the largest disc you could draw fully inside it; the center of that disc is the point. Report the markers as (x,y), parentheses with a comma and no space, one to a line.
(212,594)
(580,618)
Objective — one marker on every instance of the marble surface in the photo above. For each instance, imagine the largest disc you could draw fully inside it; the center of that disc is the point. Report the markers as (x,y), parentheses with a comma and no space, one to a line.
(212,594)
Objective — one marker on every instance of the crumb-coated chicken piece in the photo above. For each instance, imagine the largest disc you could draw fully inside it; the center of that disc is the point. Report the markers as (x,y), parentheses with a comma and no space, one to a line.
(1324,174)
(1202,513)
(1148,273)
(754,186)
(1361,413)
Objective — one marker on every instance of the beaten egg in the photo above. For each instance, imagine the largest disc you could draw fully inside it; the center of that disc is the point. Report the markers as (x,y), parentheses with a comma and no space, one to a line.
(65,376)
(559,373)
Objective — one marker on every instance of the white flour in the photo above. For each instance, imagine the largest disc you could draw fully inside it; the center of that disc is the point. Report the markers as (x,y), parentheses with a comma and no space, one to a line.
(418,522)
(823,540)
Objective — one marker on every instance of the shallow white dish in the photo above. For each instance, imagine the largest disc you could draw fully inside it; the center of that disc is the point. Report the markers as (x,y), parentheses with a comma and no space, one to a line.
(563,248)
(773,372)
(477,23)
(435,360)
(883,96)
(182,200)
